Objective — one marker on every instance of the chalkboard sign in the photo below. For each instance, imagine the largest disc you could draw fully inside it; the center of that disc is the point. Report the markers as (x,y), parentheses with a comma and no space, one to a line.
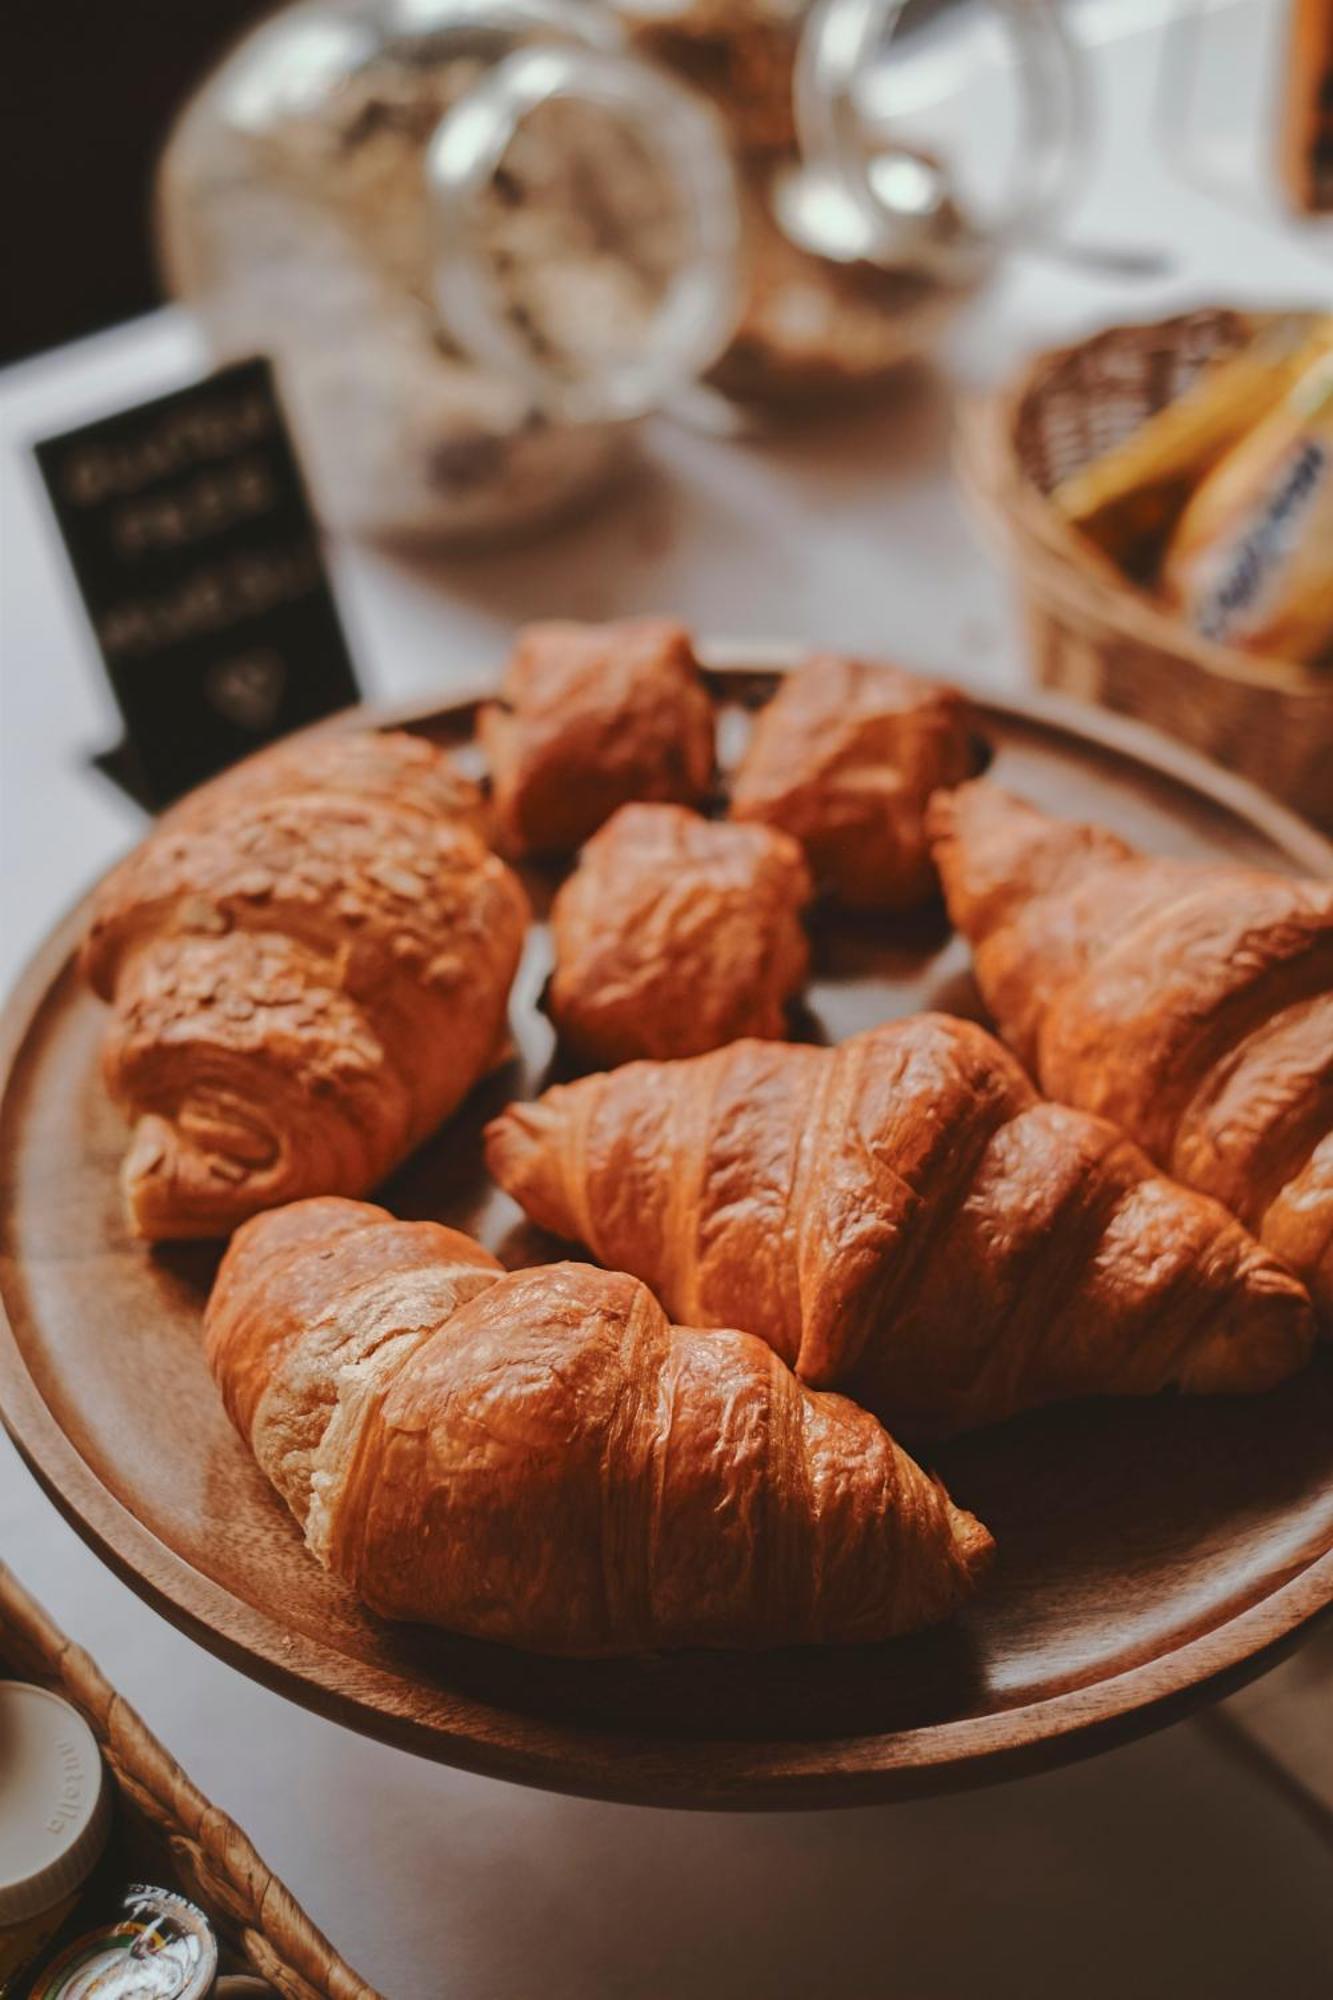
(197,556)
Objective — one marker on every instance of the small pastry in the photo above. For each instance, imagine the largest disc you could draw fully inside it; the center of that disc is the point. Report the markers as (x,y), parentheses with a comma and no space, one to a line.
(675,934)
(590,717)
(537,1457)
(844,758)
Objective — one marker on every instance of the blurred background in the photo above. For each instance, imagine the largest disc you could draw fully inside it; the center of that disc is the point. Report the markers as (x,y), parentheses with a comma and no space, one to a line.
(87,91)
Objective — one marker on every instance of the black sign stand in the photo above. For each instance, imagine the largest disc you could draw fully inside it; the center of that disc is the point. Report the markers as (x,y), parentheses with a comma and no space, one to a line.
(198,560)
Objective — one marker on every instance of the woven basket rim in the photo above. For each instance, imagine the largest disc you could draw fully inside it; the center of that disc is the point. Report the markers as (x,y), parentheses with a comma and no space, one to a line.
(281,1941)
(1059,564)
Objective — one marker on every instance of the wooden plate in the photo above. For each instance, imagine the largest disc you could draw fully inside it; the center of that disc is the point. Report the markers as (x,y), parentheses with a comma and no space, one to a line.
(1149,1553)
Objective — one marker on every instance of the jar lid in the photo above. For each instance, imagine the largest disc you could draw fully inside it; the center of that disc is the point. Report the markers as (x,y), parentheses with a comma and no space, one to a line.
(55,1801)
(156,1945)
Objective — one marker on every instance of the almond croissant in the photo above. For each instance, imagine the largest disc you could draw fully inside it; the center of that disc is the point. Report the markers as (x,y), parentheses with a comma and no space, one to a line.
(389,765)
(675,934)
(540,1458)
(903,1218)
(1191,1003)
(307,977)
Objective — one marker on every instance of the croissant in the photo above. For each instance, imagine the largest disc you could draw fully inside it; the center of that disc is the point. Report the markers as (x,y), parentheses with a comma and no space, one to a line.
(590,717)
(903,1218)
(844,758)
(675,934)
(540,1458)
(305,979)
(1190,1003)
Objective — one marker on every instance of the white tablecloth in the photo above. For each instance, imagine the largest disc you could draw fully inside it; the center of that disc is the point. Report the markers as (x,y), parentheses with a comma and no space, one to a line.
(1174,1867)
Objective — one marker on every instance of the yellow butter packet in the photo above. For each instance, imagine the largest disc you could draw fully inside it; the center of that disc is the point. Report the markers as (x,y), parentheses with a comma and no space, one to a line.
(1251,561)
(1126,499)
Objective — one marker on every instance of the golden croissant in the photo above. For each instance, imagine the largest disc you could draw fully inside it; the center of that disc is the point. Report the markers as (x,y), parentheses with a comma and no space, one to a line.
(540,1458)
(1190,1003)
(903,1218)
(309,965)
(675,934)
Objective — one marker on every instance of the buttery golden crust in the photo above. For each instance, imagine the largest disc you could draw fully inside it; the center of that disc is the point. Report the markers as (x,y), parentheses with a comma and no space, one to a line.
(844,759)
(1192,1004)
(539,1458)
(305,984)
(903,1218)
(676,934)
(590,717)
(388,765)
(311,1290)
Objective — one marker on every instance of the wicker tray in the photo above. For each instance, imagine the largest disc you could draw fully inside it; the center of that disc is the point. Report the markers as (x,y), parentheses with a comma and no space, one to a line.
(168,1824)
(1091,632)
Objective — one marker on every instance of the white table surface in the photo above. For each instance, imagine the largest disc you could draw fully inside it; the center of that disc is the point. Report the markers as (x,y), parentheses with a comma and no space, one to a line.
(1179,1866)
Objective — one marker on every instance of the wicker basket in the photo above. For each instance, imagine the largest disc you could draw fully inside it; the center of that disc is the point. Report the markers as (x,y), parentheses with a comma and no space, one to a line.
(168,1824)
(1090,631)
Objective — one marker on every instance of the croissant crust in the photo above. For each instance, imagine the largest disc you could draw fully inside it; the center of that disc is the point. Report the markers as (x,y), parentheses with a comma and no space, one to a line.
(1191,1003)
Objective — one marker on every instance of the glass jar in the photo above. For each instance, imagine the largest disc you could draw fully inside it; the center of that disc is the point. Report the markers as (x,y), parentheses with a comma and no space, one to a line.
(848,118)
(476,238)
